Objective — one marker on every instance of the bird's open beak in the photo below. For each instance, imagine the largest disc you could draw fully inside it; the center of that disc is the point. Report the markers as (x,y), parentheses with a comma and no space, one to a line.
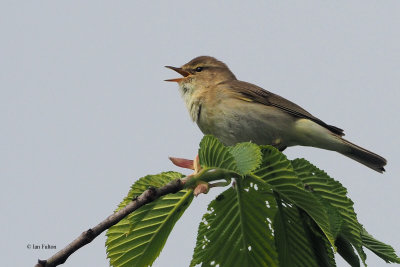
(180,71)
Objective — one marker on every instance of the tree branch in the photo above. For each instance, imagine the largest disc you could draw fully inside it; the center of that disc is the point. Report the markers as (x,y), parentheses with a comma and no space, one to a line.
(196,181)
(86,237)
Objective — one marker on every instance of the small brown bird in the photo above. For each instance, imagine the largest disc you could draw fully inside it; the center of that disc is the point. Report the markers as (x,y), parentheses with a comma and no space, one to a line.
(235,111)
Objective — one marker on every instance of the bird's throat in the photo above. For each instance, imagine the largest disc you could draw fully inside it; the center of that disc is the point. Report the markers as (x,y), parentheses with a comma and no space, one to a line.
(193,103)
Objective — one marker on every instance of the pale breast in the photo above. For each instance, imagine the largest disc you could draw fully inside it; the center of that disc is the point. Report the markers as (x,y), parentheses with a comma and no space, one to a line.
(234,121)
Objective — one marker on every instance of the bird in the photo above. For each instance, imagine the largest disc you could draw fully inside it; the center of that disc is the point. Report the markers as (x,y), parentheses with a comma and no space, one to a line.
(235,111)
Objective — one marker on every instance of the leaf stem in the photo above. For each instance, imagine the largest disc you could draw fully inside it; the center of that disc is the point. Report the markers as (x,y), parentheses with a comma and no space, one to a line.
(210,174)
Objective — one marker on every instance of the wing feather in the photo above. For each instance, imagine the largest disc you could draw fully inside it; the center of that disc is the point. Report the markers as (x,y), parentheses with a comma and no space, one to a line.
(257,94)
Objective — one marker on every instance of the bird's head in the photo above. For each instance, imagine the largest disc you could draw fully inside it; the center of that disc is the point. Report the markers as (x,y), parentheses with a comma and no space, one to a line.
(202,72)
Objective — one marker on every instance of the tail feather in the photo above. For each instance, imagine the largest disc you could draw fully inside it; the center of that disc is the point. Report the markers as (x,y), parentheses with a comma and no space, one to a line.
(368,158)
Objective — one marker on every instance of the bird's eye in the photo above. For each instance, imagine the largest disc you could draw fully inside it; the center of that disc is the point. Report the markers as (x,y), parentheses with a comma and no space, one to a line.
(198,69)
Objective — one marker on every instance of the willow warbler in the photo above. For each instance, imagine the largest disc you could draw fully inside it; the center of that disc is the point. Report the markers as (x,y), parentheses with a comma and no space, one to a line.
(236,111)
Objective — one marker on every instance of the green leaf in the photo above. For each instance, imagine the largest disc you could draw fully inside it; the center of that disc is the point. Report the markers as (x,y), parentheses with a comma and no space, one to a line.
(237,230)
(277,171)
(138,239)
(362,255)
(347,252)
(212,153)
(291,238)
(322,248)
(247,156)
(335,195)
(381,249)
(335,219)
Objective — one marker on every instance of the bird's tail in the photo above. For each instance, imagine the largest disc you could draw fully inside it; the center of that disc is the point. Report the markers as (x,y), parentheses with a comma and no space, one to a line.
(364,156)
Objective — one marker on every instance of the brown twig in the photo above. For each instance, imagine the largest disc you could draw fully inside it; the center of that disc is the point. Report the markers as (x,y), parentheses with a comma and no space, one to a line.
(146,197)
(86,237)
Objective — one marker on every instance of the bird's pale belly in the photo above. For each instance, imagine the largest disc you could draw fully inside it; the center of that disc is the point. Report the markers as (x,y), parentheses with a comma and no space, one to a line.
(243,123)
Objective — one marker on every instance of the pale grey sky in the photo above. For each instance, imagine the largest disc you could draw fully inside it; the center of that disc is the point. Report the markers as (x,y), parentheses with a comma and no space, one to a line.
(84,110)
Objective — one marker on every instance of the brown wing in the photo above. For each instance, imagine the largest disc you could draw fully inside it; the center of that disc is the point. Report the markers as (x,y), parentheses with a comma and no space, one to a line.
(257,94)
